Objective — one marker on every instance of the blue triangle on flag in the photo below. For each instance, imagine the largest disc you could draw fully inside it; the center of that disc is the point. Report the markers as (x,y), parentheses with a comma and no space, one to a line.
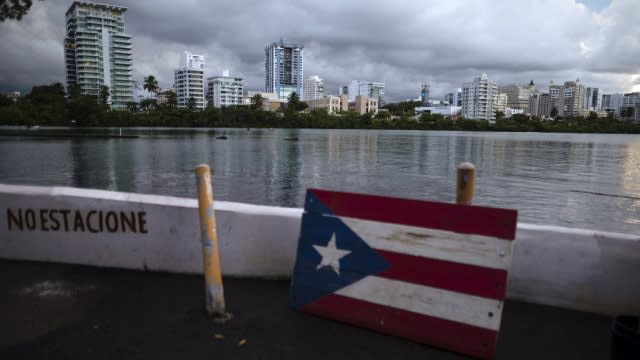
(313,205)
(310,281)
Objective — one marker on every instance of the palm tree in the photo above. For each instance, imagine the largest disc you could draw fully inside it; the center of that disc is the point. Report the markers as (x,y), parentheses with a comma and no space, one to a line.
(151,84)
(257,101)
(172,99)
(293,101)
(14,9)
(191,104)
(104,95)
(132,107)
(74,91)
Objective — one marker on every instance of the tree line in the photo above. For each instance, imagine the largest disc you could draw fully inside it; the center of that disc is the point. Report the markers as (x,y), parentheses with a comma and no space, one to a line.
(53,105)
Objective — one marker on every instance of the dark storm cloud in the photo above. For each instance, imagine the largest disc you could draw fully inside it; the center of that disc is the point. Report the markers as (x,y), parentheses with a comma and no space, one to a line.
(402,42)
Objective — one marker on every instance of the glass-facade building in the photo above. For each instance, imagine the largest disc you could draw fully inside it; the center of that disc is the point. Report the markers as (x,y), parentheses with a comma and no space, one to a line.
(98,51)
(283,69)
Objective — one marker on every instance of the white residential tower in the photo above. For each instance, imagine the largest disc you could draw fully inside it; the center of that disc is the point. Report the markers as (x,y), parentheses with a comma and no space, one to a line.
(479,99)
(313,88)
(98,52)
(189,80)
(224,90)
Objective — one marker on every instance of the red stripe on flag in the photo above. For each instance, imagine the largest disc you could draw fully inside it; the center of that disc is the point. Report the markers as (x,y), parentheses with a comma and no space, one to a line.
(451,335)
(465,219)
(463,278)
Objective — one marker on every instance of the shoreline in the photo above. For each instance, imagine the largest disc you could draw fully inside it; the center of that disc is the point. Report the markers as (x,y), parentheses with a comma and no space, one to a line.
(69,135)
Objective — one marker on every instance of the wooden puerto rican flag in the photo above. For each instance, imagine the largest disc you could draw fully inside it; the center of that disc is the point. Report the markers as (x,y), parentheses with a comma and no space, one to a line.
(431,272)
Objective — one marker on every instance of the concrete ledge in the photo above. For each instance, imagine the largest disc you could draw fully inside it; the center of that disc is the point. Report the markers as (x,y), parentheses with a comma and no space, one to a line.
(573,268)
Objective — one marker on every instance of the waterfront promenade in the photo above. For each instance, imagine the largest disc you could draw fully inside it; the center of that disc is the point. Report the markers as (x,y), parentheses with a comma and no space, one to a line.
(58,311)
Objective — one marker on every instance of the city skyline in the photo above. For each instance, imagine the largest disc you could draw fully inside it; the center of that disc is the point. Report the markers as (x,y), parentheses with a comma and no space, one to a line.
(444,44)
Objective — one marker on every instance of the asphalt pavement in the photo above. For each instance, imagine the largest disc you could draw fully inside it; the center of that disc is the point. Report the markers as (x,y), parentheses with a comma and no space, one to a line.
(57,311)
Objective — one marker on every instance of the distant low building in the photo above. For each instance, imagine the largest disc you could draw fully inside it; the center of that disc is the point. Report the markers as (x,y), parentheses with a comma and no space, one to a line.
(509,112)
(600,114)
(162,97)
(433,103)
(13,95)
(446,110)
(270,101)
(364,105)
(370,89)
(333,104)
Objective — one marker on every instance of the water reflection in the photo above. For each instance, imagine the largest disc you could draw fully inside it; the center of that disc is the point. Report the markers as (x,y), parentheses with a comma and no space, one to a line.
(549,178)
(91,165)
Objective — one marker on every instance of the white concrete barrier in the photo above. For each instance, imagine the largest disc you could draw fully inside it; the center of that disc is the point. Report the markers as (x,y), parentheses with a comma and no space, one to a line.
(159,233)
(578,269)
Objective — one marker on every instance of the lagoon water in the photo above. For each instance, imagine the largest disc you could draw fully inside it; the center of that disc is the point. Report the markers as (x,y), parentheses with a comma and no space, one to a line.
(576,180)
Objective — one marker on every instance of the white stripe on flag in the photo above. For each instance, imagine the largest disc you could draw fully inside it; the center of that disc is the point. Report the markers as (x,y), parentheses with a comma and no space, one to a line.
(486,251)
(439,303)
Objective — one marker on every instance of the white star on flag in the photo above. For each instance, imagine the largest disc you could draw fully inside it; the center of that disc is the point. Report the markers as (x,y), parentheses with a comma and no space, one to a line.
(331,255)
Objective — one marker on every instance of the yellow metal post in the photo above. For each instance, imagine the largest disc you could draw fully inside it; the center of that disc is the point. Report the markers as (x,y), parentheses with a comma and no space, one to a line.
(209,239)
(465,184)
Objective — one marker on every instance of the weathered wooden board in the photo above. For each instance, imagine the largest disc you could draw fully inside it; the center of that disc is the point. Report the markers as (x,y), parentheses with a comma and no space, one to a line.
(431,272)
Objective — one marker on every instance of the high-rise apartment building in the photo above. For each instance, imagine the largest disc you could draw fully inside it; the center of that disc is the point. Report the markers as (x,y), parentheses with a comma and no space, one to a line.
(370,89)
(313,88)
(593,99)
(631,106)
(283,69)
(189,80)
(424,93)
(224,90)
(479,99)
(98,52)
(518,96)
(613,103)
(539,105)
(568,98)
(502,102)
(454,98)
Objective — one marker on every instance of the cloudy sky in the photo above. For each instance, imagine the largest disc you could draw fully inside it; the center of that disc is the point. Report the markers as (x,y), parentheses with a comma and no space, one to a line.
(400,42)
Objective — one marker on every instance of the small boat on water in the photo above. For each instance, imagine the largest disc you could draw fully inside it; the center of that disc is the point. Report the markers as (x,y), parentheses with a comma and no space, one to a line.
(222,137)
(291,138)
